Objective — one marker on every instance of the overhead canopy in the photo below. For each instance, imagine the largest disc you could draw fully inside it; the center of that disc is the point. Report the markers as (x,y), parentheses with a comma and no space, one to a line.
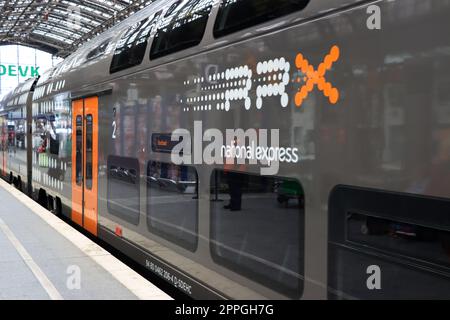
(60,26)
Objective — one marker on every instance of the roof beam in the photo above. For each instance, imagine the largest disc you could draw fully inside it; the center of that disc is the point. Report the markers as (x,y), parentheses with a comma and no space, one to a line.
(20,19)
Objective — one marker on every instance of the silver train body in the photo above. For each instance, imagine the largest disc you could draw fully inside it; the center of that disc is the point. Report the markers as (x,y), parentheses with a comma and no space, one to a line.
(359,209)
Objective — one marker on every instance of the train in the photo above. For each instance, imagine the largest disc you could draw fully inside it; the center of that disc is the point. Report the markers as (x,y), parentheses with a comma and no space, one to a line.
(253,149)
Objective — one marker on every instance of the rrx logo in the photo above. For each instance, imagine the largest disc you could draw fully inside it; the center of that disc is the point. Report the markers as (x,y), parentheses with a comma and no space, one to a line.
(232,87)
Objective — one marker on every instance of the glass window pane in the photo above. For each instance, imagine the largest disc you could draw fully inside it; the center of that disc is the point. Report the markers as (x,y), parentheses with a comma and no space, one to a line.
(130,49)
(182,27)
(172,203)
(89,131)
(406,236)
(123,188)
(398,237)
(26,54)
(235,15)
(98,51)
(9,54)
(79,148)
(52,133)
(259,232)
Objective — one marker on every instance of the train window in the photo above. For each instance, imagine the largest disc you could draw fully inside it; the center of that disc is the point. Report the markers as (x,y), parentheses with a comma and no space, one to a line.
(89,131)
(54,144)
(79,148)
(172,203)
(98,51)
(182,27)
(52,134)
(123,188)
(259,232)
(235,15)
(394,236)
(406,237)
(130,49)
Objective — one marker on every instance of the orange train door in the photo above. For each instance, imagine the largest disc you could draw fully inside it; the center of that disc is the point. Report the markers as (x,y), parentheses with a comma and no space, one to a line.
(85,163)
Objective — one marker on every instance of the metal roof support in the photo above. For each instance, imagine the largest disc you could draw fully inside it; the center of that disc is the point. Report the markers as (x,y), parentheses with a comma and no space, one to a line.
(43,24)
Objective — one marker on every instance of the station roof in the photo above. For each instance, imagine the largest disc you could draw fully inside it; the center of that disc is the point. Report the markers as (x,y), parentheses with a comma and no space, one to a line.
(60,26)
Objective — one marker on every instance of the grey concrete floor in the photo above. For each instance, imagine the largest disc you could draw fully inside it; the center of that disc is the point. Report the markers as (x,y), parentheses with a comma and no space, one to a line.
(56,256)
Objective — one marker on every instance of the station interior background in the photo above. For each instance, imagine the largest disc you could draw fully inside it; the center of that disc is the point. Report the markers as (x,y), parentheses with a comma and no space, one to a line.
(16,55)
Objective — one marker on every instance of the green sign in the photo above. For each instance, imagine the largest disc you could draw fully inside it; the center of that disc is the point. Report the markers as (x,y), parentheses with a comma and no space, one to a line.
(13,70)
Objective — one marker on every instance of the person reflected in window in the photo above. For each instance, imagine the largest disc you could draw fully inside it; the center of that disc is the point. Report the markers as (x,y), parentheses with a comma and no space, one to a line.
(235,184)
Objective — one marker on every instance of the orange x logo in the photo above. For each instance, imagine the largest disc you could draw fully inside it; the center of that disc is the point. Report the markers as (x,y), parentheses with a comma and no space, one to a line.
(317,77)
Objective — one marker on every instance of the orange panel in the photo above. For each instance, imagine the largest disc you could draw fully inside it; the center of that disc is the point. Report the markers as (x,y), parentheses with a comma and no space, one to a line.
(77,186)
(91,164)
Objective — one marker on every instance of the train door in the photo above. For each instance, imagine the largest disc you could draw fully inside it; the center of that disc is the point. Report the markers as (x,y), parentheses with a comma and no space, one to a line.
(85,163)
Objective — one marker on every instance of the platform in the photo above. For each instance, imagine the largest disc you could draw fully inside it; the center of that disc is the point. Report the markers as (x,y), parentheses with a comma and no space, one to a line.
(42,257)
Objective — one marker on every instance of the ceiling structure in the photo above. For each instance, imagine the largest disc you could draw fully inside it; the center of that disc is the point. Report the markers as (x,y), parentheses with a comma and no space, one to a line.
(60,26)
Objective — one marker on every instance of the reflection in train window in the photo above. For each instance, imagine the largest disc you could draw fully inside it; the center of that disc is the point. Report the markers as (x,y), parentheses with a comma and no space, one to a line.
(406,236)
(17,128)
(79,150)
(412,240)
(3,133)
(172,203)
(50,138)
(259,231)
(123,188)
(16,140)
(98,51)
(89,155)
(50,132)
(235,15)
(182,27)
(130,49)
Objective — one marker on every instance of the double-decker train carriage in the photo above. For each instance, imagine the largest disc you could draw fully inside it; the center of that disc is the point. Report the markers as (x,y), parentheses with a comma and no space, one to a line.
(253,149)
(14,135)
